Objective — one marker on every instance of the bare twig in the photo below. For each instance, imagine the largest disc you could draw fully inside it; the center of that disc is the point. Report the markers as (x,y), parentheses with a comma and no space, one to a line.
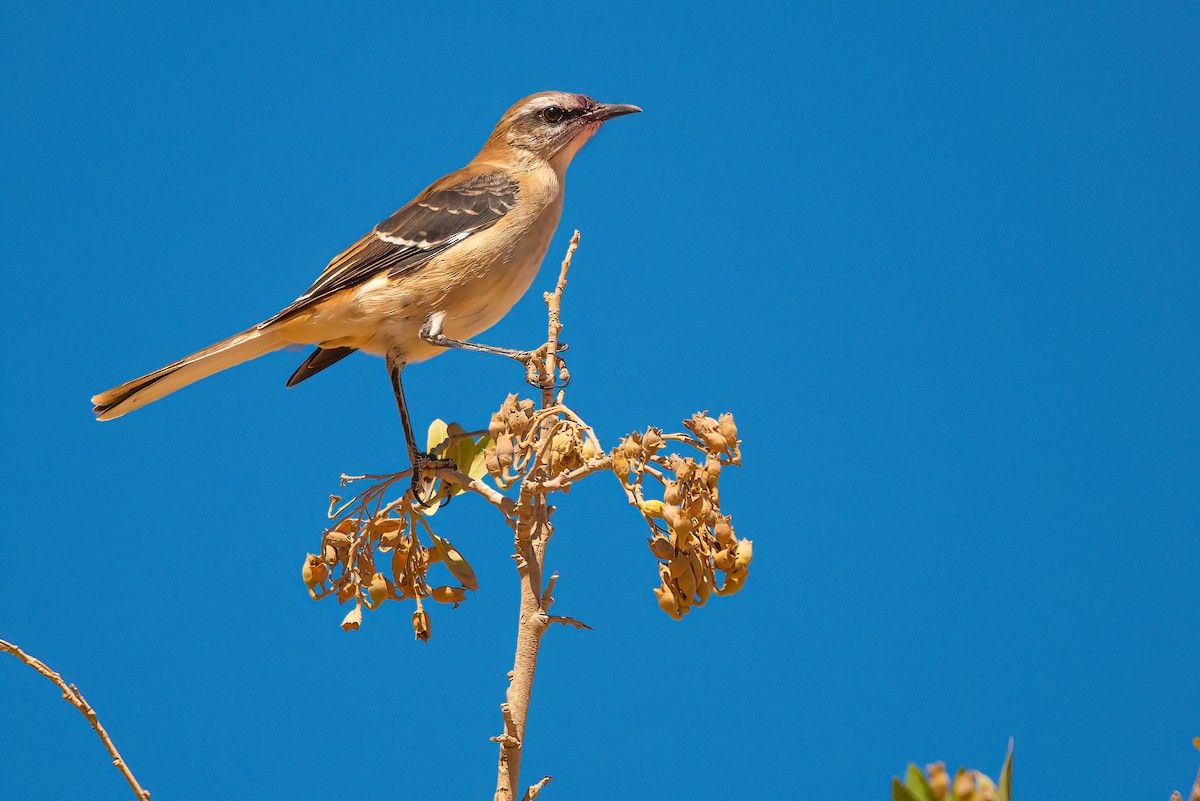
(489,494)
(71,695)
(532,530)
(554,328)
(535,789)
(564,479)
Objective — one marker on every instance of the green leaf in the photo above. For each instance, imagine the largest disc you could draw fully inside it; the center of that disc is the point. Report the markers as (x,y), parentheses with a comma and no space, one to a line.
(438,433)
(478,467)
(1005,791)
(455,563)
(918,785)
(901,793)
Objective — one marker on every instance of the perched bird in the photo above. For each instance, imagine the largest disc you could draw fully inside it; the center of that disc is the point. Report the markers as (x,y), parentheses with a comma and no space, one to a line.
(439,271)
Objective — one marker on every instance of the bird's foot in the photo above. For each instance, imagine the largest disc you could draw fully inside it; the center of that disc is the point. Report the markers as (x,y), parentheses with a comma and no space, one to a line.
(421,485)
(536,374)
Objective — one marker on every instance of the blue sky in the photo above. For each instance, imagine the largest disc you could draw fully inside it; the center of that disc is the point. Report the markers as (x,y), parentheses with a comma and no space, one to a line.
(941,261)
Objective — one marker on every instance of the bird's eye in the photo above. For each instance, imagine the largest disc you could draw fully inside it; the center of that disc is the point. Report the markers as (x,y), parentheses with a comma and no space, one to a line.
(553,114)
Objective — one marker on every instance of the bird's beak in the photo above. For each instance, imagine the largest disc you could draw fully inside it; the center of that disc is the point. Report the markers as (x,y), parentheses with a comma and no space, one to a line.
(606,111)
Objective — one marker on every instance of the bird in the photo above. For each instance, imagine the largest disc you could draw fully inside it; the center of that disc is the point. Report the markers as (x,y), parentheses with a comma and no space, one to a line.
(442,269)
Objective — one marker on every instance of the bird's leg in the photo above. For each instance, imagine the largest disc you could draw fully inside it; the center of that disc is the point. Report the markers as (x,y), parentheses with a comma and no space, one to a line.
(418,458)
(533,360)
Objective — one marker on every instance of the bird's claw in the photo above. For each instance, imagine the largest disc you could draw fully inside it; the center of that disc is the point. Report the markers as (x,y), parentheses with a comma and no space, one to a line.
(536,374)
(420,463)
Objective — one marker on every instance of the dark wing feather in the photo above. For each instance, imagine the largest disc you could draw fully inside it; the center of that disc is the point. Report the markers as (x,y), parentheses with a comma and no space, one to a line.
(317,361)
(459,205)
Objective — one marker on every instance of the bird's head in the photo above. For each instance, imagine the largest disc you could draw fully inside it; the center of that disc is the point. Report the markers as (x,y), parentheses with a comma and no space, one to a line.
(552,126)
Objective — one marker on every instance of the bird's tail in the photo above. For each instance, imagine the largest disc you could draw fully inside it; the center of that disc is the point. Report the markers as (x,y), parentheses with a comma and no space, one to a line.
(243,347)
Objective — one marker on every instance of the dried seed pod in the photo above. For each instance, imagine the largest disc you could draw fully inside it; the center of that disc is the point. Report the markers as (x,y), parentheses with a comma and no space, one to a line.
(964,785)
(377,589)
(681,536)
(724,561)
(631,447)
(723,532)
(700,423)
(588,450)
(448,595)
(704,587)
(672,493)
(420,624)
(652,440)
(686,580)
(620,465)
(667,601)
(728,429)
(314,571)
(652,508)
(939,780)
(353,619)
(399,565)
(712,471)
(505,449)
(745,552)
(684,468)
(337,539)
(714,442)
(661,547)
(698,510)
(387,525)
(491,460)
(733,583)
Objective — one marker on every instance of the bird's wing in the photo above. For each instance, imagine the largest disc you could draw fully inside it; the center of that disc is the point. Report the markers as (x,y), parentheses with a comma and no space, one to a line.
(452,209)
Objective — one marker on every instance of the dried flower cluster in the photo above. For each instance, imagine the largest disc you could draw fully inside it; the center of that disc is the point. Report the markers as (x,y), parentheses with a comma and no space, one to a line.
(935,784)
(373,550)
(524,448)
(690,536)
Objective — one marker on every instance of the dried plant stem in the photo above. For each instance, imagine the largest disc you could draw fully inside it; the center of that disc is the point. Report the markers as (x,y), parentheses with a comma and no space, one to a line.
(71,695)
(532,624)
(533,529)
(554,305)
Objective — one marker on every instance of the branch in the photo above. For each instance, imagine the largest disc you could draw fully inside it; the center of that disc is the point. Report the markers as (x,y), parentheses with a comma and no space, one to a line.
(71,695)
(554,327)
(535,789)
(564,479)
(501,502)
(532,530)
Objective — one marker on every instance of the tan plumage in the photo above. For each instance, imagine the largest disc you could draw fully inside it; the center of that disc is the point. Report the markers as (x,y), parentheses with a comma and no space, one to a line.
(460,254)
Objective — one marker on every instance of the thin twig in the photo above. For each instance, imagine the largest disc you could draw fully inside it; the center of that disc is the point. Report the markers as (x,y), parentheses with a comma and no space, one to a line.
(501,502)
(534,789)
(71,695)
(564,479)
(554,327)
